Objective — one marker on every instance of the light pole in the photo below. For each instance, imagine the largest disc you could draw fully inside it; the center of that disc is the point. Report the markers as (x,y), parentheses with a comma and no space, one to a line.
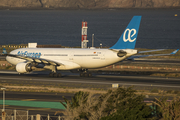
(3,89)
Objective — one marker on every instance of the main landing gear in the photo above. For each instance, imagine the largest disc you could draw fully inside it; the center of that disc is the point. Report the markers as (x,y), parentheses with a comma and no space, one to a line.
(52,74)
(85,73)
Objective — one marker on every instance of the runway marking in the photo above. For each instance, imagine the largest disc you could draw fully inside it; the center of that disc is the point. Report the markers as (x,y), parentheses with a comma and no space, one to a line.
(121,83)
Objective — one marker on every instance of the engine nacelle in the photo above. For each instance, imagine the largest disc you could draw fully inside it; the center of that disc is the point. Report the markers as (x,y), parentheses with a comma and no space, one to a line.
(23,67)
(121,53)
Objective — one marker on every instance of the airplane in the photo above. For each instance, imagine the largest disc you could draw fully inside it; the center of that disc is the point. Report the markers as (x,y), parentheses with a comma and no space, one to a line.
(56,59)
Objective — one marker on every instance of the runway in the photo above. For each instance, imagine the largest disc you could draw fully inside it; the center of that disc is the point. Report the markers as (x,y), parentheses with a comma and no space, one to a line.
(97,81)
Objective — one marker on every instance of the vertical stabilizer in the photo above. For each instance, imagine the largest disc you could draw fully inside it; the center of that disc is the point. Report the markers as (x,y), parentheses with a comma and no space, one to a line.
(129,36)
(4,51)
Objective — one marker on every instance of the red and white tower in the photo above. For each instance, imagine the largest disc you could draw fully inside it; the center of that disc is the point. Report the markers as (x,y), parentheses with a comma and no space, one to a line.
(84,35)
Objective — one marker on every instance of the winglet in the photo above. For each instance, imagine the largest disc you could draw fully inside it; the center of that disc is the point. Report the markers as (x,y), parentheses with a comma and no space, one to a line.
(174,52)
(4,51)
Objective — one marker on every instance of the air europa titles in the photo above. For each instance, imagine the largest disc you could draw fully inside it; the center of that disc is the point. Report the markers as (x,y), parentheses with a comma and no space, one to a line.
(29,54)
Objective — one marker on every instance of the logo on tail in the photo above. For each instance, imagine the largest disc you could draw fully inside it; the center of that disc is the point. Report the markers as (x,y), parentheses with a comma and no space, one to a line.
(129,35)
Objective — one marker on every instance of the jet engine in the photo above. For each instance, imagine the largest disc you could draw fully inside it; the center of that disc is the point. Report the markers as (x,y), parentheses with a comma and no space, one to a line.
(121,53)
(24,67)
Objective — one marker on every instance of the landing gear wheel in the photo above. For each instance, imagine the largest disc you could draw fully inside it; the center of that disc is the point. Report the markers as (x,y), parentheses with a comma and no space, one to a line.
(50,74)
(55,75)
(59,75)
(86,75)
(90,74)
(81,74)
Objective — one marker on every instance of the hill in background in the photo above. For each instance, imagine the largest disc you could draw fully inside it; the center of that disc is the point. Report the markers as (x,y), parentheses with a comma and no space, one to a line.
(89,4)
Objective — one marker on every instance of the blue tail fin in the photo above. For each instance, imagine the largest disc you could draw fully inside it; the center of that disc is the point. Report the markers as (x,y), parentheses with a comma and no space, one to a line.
(129,36)
(4,51)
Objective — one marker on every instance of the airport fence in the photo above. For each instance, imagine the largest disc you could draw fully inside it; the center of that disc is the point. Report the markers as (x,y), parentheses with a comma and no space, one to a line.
(10,114)
(45,117)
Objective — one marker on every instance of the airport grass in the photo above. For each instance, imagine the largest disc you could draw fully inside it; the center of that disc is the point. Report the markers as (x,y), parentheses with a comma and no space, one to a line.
(50,89)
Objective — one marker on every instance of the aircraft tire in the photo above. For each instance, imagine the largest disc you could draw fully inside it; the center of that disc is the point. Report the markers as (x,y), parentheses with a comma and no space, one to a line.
(50,74)
(59,75)
(89,74)
(55,75)
(81,74)
(86,74)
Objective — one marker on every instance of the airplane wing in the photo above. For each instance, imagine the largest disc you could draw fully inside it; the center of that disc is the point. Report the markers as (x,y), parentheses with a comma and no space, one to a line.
(139,56)
(36,60)
(68,65)
(32,59)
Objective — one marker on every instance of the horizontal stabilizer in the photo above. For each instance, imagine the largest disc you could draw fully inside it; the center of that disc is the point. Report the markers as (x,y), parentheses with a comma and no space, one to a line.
(140,56)
(151,51)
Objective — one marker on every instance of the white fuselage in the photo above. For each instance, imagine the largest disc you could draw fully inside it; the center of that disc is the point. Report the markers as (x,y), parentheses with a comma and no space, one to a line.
(76,58)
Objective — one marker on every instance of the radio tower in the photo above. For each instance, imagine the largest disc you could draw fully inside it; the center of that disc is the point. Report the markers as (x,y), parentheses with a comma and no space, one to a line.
(84,35)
